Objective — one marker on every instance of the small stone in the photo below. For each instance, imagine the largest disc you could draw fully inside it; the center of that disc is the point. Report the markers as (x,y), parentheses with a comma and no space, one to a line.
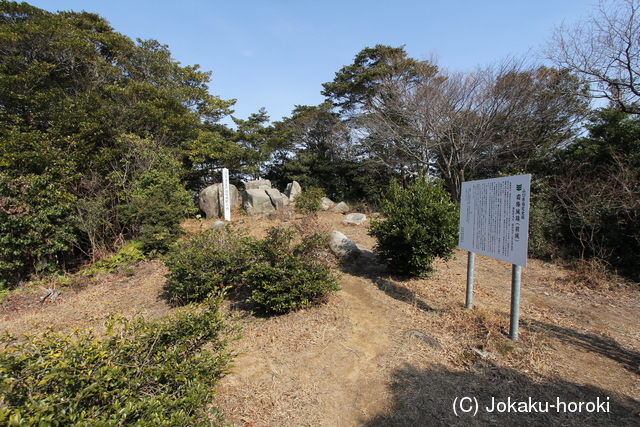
(483,354)
(432,342)
(218,224)
(354,219)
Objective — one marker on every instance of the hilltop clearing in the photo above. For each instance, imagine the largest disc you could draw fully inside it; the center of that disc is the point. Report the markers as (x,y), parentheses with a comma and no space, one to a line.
(385,351)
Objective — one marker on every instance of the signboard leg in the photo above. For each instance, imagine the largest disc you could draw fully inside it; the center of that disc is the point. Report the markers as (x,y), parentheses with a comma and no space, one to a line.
(470,266)
(515,302)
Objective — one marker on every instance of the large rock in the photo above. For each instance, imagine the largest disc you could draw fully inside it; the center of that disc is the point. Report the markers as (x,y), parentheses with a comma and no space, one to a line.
(256,201)
(342,246)
(211,200)
(326,203)
(277,198)
(341,207)
(354,219)
(258,184)
(292,190)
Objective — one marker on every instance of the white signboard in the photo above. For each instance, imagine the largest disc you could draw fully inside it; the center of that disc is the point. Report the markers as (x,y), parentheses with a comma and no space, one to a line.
(494,218)
(225,194)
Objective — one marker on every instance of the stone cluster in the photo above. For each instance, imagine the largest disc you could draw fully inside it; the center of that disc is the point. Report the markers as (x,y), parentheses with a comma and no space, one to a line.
(257,197)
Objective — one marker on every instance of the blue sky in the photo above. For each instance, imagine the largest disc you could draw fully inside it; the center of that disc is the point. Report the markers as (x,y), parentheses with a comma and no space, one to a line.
(276,54)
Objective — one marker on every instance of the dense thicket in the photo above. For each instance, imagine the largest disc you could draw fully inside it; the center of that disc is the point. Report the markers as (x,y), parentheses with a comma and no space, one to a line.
(416,118)
(95,131)
(315,147)
(596,187)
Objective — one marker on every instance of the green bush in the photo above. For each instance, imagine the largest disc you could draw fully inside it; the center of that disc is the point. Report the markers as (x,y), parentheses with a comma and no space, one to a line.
(282,271)
(309,200)
(421,224)
(154,202)
(144,373)
(287,275)
(208,262)
(35,232)
(545,223)
(130,253)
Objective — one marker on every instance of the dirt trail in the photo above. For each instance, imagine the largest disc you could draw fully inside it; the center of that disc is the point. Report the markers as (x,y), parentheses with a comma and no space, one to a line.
(332,366)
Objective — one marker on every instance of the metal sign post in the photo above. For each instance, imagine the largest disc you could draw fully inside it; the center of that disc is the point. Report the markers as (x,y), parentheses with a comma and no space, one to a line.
(515,302)
(225,194)
(494,221)
(470,266)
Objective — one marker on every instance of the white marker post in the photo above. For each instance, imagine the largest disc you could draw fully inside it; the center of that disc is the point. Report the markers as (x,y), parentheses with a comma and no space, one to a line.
(494,221)
(225,194)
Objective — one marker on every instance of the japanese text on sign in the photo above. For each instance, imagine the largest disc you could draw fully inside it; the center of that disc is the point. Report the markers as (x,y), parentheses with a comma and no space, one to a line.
(494,218)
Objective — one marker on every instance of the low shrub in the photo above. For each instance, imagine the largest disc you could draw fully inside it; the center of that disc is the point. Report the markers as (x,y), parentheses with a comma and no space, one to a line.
(144,373)
(282,271)
(128,254)
(208,263)
(287,274)
(309,200)
(421,224)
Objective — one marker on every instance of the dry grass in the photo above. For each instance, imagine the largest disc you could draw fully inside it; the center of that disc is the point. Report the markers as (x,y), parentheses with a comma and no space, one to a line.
(385,351)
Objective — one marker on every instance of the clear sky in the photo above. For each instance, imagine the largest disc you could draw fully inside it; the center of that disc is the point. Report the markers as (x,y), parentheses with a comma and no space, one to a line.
(277,53)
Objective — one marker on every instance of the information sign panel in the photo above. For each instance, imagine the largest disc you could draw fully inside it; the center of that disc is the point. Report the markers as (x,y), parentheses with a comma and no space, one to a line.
(494,218)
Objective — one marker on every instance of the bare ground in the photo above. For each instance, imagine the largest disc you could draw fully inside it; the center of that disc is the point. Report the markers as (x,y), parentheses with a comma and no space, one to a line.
(390,352)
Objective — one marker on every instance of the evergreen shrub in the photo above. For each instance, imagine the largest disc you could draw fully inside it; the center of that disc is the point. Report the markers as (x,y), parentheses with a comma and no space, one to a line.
(128,254)
(155,201)
(210,262)
(143,373)
(287,274)
(420,223)
(309,200)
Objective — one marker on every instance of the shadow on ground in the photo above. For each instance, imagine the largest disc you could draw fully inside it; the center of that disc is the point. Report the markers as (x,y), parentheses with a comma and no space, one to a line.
(427,398)
(368,267)
(598,344)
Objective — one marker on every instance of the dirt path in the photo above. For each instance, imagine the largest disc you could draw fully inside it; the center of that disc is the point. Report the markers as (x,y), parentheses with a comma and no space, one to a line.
(330,374)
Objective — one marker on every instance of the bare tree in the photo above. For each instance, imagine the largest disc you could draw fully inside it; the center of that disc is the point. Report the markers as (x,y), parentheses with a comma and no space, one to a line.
(604,48)
(466,125)
(599,203)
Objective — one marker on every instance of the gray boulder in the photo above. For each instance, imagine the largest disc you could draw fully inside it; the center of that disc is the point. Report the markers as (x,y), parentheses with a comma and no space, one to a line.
(354,219)
(211,200)
(342,246)
(326,203)
(277,198)
(256,201)
(258,184)
(292,190)
(341,207)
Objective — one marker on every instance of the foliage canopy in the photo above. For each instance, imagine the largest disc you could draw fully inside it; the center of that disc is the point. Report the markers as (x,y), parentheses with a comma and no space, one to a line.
(93,129)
